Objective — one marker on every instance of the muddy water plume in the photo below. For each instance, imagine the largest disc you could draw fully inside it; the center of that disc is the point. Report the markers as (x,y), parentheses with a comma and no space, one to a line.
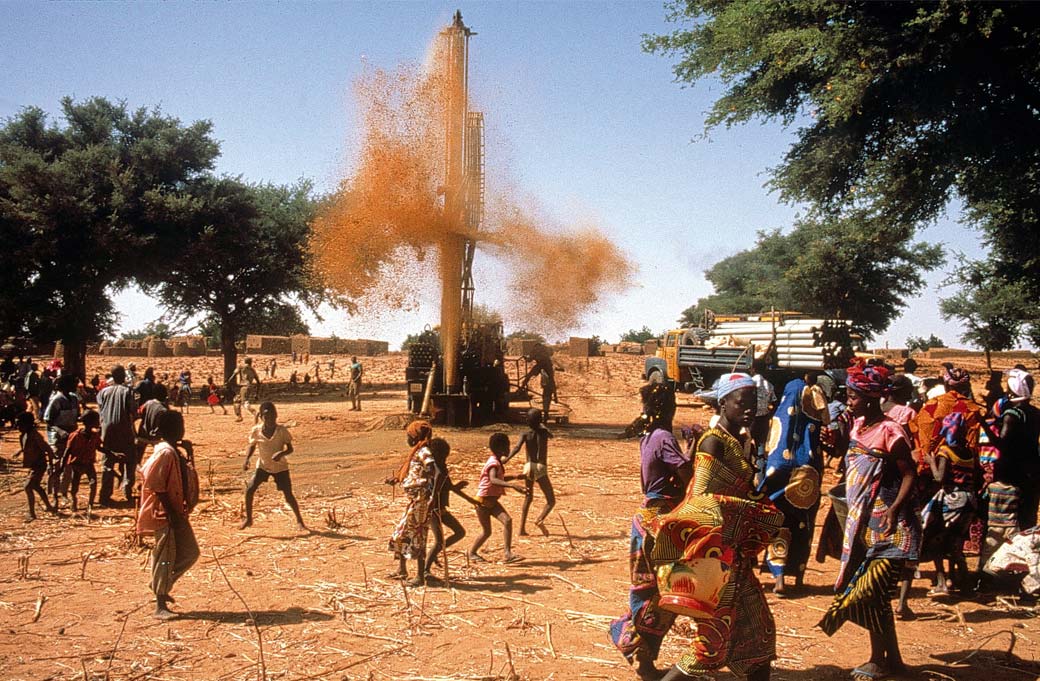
(380,240)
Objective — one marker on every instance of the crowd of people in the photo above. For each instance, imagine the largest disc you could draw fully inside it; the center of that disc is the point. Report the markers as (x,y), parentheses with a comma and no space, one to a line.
(926,474)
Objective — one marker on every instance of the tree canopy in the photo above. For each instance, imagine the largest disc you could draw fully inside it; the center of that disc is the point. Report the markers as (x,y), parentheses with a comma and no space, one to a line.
(851,268)
(897,107)
(246,262)
(87,206)
(638,335)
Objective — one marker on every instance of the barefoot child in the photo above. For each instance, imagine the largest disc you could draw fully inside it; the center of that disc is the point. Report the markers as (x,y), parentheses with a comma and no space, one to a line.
(490,488)
(80,457)
(169,492)
(36,456)
(272,443)
(536,442)
(408,540)
(440,516)
(213,399)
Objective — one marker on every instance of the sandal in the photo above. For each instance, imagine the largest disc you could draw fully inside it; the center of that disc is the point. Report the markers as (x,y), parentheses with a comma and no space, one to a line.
(513,559)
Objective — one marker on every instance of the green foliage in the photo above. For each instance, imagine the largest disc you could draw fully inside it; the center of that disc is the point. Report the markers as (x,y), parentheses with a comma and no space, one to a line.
(854,268)
(89,206)
(160,330)
(246,262)
(638,335)
(895,106)
(526,335)
(922,344)
(988,305)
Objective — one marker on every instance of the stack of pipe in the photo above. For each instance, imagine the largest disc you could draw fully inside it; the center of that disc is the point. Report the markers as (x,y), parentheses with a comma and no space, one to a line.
(799,343)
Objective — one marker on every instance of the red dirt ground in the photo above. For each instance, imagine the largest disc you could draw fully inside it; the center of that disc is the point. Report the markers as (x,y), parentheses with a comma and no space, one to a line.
(326,609)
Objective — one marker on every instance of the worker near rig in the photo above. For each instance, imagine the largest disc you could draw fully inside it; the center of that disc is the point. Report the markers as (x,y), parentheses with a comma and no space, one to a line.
(543,366)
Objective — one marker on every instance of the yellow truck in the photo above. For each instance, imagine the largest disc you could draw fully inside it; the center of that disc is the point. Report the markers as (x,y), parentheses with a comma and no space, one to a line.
(783,344)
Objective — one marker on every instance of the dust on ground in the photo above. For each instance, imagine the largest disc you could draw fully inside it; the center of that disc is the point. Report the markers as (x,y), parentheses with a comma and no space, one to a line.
(324,605)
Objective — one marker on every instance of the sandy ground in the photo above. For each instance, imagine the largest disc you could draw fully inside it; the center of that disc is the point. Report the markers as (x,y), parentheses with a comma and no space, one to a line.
(322,601)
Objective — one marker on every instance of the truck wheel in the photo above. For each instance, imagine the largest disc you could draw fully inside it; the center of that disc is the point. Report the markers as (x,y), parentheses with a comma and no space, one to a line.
(656,376)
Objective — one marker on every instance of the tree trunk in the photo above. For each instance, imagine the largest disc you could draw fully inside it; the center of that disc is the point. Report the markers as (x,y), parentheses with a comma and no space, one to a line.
(989,361)
(75,359)
(227,346)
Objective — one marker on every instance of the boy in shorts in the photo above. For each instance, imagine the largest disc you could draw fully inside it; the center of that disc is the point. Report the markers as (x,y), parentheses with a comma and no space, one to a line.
(272,443)
(536,442)
(491,487)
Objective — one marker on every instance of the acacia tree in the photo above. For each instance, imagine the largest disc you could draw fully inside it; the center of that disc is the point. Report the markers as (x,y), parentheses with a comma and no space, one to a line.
(896,107)
(854,268)
(987,305)
(86,206)
(246,258)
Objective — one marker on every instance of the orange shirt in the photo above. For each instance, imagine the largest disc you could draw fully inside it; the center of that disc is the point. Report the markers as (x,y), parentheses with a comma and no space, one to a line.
(162,473)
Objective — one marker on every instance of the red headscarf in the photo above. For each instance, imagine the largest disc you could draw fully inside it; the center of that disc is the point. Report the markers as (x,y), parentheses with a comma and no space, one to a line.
(870,380)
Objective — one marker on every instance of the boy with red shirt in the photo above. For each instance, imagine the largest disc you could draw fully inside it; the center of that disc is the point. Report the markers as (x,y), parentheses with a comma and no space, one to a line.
(491,487)
(80,457)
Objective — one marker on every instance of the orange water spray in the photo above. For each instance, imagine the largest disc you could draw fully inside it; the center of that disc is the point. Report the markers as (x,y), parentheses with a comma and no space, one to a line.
(410,216)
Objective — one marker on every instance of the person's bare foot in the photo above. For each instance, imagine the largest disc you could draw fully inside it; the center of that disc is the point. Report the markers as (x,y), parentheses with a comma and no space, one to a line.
(522,533)
(540,524)
(476,557)
(418,581)
(162,612)
(245,523)
(300,527)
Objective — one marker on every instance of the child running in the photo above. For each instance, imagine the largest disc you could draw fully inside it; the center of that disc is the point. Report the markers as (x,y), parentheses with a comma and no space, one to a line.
(36,456)
(490,488)
(536,442)
(213,399)
(440,516)
(272,443)
(80,457)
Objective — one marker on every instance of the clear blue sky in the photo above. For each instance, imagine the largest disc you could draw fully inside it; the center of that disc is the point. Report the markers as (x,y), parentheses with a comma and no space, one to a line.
(579,116)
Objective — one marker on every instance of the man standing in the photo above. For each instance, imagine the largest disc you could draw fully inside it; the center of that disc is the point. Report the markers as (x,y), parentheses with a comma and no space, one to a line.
(248,382)
(354,386)
(117,408)
(542,366)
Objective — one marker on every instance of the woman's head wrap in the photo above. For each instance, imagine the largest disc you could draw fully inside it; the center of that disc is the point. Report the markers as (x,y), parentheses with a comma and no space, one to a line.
(1020,383)
(730,383)
(956,379)
(870,380)
(953,429)
(658,407)
(419,431)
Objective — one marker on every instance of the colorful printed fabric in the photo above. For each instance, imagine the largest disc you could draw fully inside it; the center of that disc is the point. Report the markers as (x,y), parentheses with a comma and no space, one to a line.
(408,540)
(956,379)
(927,426)
(869,380)
(948,515)
(792,481)
(867,600)
(725,518)
(872,484)
(644,624)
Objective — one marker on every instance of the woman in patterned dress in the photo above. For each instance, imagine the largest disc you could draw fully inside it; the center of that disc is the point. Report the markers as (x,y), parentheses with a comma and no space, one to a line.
(724,512)
(408,539)
(882,530)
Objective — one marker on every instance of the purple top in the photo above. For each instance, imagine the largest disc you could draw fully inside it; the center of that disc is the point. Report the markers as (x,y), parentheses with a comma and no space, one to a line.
(660,459)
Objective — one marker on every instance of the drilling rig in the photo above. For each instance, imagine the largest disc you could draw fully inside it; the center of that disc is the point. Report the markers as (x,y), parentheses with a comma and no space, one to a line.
(457,375)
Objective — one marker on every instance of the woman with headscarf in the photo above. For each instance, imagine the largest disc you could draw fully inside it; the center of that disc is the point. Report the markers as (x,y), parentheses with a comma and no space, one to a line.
(794,467)
(664,474)
(1013,494)
(706,550)
(882,529)
(947,516)
(408,539)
